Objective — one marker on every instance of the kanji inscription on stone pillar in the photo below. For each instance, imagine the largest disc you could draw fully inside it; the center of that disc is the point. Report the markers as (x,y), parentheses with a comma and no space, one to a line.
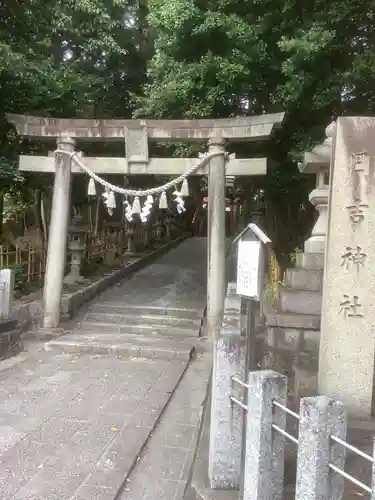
(348,307)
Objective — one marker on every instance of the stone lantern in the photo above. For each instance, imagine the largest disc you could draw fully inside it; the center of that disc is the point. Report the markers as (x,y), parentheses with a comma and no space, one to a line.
(257,212)
(168,220)
(159,229)
(77,247)
(130,234)
(318,162)
(173,224)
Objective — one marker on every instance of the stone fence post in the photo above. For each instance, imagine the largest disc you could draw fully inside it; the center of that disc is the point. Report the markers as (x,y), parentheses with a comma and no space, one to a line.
(264,453)
(226,418)
(320,418)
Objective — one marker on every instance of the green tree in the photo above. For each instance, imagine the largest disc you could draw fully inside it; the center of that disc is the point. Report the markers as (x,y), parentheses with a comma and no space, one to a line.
(231,58)
(65,58)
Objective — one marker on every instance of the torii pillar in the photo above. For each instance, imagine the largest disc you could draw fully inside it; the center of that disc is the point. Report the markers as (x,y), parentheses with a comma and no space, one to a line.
(136,134)
(216,273)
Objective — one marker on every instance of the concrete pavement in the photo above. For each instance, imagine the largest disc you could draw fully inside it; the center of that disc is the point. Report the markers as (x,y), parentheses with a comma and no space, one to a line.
(164,466)
(75,425)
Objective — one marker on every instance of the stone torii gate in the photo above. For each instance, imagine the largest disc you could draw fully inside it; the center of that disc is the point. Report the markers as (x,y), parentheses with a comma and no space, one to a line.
(136,134)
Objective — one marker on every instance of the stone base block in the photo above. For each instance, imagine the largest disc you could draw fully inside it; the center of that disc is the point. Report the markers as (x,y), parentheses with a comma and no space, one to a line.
(305,378)
(292,320)
(304,279)
(310,260)
(10,336)
(299,301)
(293,339)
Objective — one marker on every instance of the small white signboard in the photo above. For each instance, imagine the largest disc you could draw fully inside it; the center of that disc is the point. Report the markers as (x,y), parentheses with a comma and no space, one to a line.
(251,243)
(248,262)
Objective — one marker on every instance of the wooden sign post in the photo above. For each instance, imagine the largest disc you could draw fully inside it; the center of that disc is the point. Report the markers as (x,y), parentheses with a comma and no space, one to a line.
(252,245)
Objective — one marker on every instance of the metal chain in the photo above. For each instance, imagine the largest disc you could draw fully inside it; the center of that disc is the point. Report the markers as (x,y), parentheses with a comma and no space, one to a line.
(134,192)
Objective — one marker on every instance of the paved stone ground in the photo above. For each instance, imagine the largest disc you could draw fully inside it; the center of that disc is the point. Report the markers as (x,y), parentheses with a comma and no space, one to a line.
(73,426)
(175,280)
(164,467)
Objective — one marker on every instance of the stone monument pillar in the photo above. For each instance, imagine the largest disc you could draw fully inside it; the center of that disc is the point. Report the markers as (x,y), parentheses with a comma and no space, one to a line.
(216,286)
(347,341)
(58,235)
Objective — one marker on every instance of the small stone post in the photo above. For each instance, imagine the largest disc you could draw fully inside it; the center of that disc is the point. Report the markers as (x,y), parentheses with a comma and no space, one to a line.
(224,469)
(264,459)
(6,293)
(58,235)
(216,238)
(320,417)
(226,417)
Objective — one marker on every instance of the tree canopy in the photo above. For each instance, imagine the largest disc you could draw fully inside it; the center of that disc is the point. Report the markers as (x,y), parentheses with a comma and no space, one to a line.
(313,60)
(194,59)
(66,58)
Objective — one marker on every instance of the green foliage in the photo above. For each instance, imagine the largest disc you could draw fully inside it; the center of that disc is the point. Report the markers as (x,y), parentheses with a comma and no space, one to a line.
(192,59)
(9,173)
(64,58)
(67,58)
(20,282)
(307,59)
(233,58)
(293,257)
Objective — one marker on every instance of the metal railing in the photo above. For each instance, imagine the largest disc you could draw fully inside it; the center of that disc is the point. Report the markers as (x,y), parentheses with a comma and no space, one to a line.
(282,431)
(307,477)
(345,474)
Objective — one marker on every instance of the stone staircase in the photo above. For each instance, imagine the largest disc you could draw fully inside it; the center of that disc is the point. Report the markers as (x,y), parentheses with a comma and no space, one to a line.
(295,323)
(138,319)
(133,331)
(156,314)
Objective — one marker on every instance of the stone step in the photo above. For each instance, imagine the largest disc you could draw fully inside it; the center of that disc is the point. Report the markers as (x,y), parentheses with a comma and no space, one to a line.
(293,320)
(310,260)
(125,345)
(299,301)
(294,339)
(151,330)
(145,319)
(304,279)
(118,307)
